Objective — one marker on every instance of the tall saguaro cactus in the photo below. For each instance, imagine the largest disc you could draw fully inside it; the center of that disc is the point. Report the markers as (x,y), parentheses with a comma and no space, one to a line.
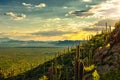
(81,70)
(106,26)
(110,29)
(78,66)
(78,52)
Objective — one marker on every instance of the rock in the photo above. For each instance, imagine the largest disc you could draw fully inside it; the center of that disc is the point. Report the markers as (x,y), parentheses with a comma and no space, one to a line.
(103,68)
(116,54)
(115,48)
(105,60)
(88,76)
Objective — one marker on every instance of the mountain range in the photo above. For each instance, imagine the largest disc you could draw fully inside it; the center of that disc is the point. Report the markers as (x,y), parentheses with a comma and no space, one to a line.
(7,42)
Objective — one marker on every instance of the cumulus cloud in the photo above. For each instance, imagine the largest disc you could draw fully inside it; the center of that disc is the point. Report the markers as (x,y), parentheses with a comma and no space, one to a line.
(41,5)
(52,33)
(109,9)
(87,0)
(16,16)
(27,5)
(20,17)
(10,14)
(65,7)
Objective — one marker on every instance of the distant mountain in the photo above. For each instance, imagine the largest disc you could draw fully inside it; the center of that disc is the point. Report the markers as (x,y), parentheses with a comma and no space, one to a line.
(4,39)
(68,42)
(6,42)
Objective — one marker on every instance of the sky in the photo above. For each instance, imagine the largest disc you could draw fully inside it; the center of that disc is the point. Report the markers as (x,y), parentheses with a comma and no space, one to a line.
(51,20)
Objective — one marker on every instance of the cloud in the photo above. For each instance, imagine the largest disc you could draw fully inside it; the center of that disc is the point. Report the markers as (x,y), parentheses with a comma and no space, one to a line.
(93,29)
(87,0)
(108,9)
(87,13)
(13,34)
(80,13)
(41,5)
(27,5)
(63,35)
(81,35)
(31,6)
(52,33)
(20,17)
(29,36)
(16,16)
(54,19)
(65,7)
(100,25)
(77,13)
(110,22)
(10,14)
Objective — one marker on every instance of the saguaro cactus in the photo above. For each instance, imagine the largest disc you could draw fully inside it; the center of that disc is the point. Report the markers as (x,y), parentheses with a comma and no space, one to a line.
(110,29)
(78,65)
(81,71)
(106,26)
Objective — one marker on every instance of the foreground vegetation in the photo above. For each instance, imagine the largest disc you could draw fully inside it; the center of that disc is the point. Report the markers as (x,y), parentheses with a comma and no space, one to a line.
(14,61)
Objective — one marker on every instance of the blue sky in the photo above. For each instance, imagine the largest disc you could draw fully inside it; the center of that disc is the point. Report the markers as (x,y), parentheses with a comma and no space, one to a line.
(55,19)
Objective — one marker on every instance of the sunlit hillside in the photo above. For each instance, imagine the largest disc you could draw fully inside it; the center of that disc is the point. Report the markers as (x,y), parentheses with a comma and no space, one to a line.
(95,59)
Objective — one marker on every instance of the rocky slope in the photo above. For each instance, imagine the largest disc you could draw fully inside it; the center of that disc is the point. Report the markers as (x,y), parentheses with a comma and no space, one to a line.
(107,57)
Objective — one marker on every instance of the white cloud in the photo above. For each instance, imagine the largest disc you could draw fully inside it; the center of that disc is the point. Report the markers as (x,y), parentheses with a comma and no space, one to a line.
(20,17)
(73,12)
(108,9)
(25,4)
(65,7)
(10,14)
(86,6)
(66,15)
(54,19)
(41,5)
(16,16)
(87,0)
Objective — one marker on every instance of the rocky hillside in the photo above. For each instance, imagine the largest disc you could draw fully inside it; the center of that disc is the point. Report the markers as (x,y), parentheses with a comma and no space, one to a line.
(107,57)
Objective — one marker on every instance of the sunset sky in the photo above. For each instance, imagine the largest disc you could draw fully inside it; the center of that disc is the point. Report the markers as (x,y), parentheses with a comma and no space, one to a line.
(53,20)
